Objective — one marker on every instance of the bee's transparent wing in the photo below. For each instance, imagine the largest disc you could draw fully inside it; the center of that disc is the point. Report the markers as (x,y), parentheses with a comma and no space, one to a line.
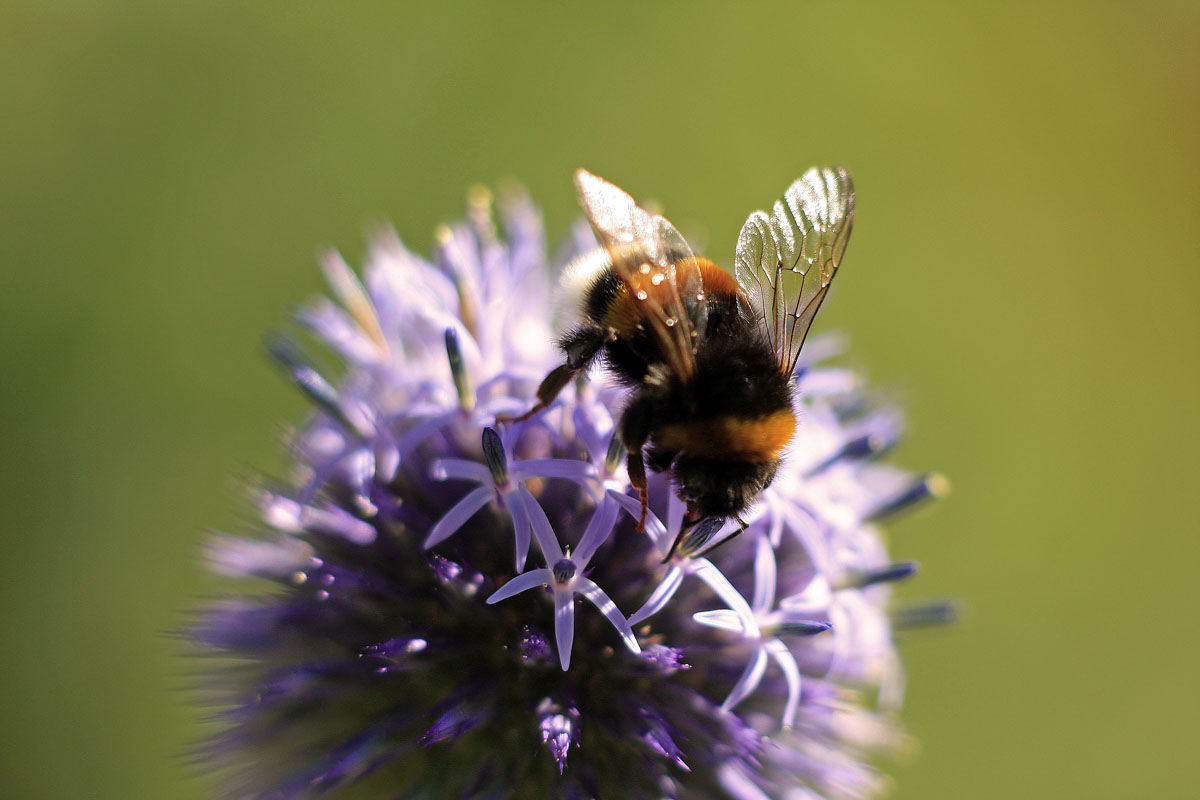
(646,252)
(786,260)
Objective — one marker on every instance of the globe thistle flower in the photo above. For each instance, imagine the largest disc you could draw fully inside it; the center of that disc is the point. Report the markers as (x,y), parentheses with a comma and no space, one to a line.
(458,608)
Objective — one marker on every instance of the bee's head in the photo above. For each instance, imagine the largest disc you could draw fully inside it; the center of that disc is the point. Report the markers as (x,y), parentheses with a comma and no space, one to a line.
(714,488)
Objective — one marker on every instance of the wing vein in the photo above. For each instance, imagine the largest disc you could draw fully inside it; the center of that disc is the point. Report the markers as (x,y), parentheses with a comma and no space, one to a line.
(810,224)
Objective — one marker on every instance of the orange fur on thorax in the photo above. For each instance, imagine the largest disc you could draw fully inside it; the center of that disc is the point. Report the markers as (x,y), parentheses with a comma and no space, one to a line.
(625,312)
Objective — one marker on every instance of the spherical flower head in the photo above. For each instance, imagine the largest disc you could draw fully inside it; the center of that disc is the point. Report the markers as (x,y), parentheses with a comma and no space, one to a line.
(460,607)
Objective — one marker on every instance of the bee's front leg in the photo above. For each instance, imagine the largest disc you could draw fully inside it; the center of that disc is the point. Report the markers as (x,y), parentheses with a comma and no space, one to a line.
(581,347)
(549,389)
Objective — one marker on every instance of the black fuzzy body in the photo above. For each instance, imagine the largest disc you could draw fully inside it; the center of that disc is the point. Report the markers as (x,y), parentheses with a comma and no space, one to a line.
(736,376)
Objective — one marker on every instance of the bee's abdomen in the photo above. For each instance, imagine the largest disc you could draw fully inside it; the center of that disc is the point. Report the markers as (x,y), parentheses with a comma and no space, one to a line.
(731,438)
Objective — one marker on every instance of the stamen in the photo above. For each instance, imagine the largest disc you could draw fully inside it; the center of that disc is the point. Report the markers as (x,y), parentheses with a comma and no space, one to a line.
(309,381)
(354,297)
(493,454)
(925,615)
(448,259)
(807,627)
(458,370)
(925,487)
(479,212)
(616,451)
(861,447)
(889,574)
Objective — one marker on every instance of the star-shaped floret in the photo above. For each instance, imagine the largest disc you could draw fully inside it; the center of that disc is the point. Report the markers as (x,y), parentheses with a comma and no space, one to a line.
(681,566)
(501,477)
(564,574)
(762,630)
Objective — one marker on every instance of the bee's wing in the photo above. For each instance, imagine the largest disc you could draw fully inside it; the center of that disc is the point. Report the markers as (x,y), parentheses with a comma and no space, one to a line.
(786,260)
(645,251)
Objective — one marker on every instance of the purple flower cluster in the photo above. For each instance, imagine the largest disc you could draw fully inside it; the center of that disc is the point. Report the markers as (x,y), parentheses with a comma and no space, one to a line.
(423,633)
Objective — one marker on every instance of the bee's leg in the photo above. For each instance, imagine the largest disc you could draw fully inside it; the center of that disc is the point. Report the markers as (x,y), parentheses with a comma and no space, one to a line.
(549,389)
(637,476)
(635,432)
(580,347)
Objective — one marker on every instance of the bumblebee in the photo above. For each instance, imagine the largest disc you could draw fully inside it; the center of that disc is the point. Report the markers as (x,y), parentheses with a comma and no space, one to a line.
(709,358)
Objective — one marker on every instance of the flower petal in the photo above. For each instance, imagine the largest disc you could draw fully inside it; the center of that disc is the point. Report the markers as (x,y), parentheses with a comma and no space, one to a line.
(234,556)
(717,581)
(521,525)
(564,626)
(812,601)
(791,673)
(547,541)
(334,521)
(661,595)
(421,431)
(526,580)
(457,516)
(609,609)
(335,327)
(599,528)
(749,681)
(764,576)
(581,472)
(459,469)
(722,619)
(654,527)
(735,781)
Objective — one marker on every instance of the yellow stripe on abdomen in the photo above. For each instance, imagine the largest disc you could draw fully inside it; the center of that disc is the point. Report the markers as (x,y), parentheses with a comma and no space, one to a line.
(731,438)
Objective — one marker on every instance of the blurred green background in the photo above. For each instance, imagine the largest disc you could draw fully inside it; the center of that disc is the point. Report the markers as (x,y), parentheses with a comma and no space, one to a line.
(1023,273)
